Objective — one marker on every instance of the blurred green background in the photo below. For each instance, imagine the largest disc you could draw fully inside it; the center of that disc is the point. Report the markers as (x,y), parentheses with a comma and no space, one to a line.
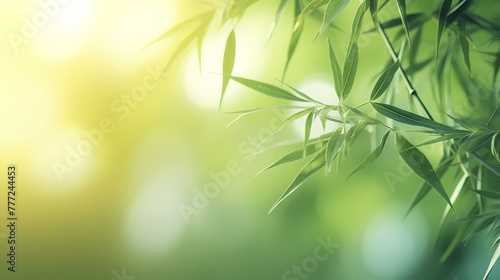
(76,68)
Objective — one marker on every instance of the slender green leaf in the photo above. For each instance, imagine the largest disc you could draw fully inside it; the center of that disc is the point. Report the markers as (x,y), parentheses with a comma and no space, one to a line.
(375,154)
(307,171)
(384,81)
(404,18)
(267,89)
(256,110)
(406,117)
(332,149)
(228,64)
(443,13)
(307,133)
(296,33)
(290,119)
(332,10)
(337,73)
(494,259)
(419,163)
(465,44)
(202,17)
(373,11)
(350,68)
(298,154)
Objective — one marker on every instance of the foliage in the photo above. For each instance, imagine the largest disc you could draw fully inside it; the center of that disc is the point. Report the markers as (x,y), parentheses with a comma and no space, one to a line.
(471,146)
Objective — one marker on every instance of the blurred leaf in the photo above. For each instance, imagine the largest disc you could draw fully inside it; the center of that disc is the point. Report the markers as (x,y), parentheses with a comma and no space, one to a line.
(333,147)
(307,171)
(495,146)
(454,196)
(459,235)
(419,163)
(350,68)
(384,81)
(465,45)
(307,133)
(267,89)
(494,259)
(373,11)
(281,9)
(337,73)
(488,194)
(404,19)
(457,10)
(202,17)
(406,117)
(228,64)
(375,154)
(443,12)
(184,45)
(332,10)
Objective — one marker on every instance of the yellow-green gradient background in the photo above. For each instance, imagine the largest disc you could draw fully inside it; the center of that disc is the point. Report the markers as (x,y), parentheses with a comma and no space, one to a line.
(119,207)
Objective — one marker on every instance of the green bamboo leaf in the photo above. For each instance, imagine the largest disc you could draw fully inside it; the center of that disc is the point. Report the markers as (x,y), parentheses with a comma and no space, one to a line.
(281,9)
(259,109)
(384,81)
(332,149)
(373,11)
(495,146)
(375,154)
(337,73)
(228,64)
(488,194)
(457,10)
(350,68)
(415,47)
(200,45)
(307,133)
(459,235)
(290,119)
(454,196)
(425,188)
(307,171)
(465,44)
(356,27)
(406,117)
(176,29)
(419,163)
(300,93)
(443,13)
(296,33)
(494,259)
(267,89)
(332,10)
(404,18)
(298,154)
(184,44)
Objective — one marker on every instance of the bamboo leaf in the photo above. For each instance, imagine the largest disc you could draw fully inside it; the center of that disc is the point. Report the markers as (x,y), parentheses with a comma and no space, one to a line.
(267,89)
(350,68)
(384,81)
(373,11)
(494,259)
(337,73)
(298,154)
(307,171)
(307,133)
(332,10)
(228,64)
(406,117)
(375,154)
(296,33)
(404,18)
(443,13)
(419,163)
(181,26)
(465,44)
(356,27)
(332,149)
(290,119)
